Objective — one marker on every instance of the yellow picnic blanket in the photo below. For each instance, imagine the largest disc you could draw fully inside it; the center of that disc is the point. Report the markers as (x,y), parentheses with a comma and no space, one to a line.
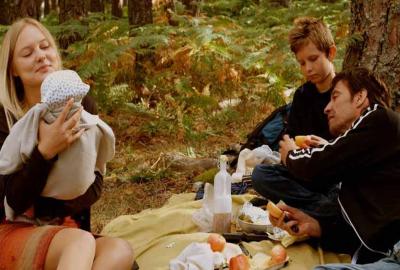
(159,235)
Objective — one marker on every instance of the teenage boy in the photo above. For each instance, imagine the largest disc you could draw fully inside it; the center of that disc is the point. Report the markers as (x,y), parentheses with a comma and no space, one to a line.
(365,160)
(313,45)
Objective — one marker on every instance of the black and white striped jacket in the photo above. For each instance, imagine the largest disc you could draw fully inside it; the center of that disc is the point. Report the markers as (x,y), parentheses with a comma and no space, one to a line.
(366,161)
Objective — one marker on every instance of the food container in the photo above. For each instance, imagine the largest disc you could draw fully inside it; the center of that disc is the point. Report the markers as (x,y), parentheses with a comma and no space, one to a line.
(254,227)
(254,219)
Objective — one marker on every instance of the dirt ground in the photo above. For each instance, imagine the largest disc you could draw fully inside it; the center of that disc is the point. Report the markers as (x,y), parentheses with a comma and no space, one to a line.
(139,177)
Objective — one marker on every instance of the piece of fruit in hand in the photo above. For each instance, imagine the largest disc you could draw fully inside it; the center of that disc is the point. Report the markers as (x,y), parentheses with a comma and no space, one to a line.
(301,141)
(274,210)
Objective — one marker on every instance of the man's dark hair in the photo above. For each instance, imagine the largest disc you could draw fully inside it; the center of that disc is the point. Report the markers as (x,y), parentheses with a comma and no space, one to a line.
(358,79)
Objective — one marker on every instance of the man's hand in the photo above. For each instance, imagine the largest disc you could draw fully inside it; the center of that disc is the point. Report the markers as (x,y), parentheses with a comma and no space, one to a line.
(285,145)
(314,141)
(296,222)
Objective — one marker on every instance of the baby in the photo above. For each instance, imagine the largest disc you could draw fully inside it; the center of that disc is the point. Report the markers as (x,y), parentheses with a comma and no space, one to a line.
(73,172)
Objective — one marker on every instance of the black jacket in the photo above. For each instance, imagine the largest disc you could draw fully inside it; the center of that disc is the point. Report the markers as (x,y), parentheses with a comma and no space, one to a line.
(366,161)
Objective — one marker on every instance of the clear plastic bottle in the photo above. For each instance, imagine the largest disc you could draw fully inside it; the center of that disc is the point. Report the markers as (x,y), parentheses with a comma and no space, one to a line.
(222,198)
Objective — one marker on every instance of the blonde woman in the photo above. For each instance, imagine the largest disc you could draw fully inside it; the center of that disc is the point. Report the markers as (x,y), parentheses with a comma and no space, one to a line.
(28,54)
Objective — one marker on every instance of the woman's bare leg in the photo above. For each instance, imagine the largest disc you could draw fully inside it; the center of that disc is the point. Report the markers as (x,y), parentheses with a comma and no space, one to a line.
(71,249)
(113,253)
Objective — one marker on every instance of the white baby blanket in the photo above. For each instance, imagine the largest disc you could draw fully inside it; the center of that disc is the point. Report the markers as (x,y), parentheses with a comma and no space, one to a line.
(73,172)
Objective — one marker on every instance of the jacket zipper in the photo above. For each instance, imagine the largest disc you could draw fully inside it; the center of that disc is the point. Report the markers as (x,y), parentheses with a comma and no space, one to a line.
(358,235)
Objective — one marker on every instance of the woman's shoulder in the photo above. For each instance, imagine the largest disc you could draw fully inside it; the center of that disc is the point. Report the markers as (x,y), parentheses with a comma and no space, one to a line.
(89,104)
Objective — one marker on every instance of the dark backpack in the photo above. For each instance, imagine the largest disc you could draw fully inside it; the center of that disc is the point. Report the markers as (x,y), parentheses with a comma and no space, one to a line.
(269,132)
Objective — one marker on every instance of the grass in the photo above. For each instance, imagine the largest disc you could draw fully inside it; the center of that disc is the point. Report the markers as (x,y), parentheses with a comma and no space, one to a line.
(139,177)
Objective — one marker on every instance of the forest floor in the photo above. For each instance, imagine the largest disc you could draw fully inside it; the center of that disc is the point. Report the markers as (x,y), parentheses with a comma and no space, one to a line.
(126,193)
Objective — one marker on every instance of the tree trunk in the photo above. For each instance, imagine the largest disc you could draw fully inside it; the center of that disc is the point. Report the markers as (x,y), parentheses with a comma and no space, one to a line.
(4,12)
(46,7)
(54,4)
(96,6)
(11,10)
(116,8)
(193,6)
(39,8)
(70,9)
(375,41)
(140,12)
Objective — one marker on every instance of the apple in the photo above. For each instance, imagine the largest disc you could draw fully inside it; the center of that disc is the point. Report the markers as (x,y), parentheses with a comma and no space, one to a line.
(217,242)
(239,262)
(278,255)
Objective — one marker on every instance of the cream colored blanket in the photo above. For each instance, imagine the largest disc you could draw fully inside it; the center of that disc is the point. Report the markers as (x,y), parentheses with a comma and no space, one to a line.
(159,235)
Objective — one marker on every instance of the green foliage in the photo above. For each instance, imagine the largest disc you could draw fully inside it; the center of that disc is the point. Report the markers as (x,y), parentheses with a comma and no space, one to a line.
(207,176)
(174,76)
(147,175)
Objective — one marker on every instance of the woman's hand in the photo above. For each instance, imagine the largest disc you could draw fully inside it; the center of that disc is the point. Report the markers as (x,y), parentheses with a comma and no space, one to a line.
(56,137)
(296,222)
(314,141)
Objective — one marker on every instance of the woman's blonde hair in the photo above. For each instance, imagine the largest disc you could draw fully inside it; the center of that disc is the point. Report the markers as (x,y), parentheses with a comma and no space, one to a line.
(11,87)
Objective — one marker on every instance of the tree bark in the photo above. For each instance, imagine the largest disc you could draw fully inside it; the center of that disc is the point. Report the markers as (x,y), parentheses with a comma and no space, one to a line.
(46,7)
(375,39)
(54,4)
(140,12)
(193,6)
(39,8)
(4,12)
(71,9)
(11,10)
(96,6)
(116,8)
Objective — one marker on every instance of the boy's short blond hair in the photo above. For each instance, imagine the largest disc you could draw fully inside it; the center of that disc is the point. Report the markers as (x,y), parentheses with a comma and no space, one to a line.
(308,29)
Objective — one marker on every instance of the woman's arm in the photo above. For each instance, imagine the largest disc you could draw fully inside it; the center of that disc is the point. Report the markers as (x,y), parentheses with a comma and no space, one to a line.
(23,188)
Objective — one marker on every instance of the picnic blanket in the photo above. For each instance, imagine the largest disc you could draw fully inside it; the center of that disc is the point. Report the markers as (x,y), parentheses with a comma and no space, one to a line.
(159,235)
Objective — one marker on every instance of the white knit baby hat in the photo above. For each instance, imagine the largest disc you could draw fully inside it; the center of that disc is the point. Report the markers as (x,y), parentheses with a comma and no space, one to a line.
(59,86)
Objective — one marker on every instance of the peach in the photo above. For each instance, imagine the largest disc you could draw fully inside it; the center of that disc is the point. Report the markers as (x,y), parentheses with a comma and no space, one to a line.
(217,242)
(239,262)
(278,255)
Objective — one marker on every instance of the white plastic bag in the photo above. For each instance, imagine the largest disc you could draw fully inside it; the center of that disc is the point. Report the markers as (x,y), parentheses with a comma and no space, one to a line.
(203,218)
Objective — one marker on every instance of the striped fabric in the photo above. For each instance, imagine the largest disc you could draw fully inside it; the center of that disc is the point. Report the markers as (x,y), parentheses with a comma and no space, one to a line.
(24,246)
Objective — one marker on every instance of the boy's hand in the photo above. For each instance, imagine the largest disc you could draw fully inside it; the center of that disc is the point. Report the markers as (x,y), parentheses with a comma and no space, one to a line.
(296,222)
(285,145)
(314,141)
